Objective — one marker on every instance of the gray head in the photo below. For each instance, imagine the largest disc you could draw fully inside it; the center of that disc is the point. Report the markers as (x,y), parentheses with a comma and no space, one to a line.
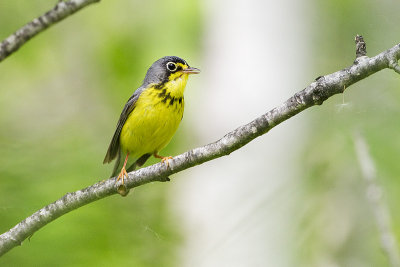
(160,71)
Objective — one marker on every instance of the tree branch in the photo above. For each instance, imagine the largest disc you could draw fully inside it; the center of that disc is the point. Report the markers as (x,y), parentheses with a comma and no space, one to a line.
(314,94)
(378,205)
(60,11)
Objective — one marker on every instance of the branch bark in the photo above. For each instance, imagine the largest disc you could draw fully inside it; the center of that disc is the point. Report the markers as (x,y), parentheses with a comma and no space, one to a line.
(59,12)
(314,94)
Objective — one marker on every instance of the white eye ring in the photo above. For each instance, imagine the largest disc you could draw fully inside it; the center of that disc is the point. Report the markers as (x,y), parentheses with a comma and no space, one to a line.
(171,66)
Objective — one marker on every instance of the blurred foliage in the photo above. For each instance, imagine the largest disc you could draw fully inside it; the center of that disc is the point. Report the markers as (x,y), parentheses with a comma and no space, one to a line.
(61,95)
(337,226)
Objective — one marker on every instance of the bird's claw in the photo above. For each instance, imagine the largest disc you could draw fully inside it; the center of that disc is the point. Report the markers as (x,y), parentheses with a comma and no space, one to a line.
(165,160)
(122,175)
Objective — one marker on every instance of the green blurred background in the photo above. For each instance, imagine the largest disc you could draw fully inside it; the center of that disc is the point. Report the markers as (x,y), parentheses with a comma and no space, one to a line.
(337,226)
(61,96)
(62,92)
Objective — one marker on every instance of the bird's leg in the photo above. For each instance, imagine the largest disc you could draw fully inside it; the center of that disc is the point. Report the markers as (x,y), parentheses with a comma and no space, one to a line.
(163,159)
(123,172)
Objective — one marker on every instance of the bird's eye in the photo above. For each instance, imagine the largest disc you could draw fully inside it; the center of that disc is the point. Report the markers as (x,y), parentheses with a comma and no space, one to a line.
(171,66)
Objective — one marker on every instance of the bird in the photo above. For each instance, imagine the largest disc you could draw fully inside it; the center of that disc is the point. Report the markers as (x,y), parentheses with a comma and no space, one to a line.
(151,116)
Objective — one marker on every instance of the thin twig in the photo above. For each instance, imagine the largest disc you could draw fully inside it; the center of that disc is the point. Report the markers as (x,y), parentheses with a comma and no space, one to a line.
(378,205)
(361,47)
(314,94)
(59,12)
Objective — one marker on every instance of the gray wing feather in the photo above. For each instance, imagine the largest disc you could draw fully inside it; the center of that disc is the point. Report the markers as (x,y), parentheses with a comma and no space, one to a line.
(113,149)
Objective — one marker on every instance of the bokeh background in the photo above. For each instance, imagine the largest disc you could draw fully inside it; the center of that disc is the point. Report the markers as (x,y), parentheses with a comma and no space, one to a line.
(294,197)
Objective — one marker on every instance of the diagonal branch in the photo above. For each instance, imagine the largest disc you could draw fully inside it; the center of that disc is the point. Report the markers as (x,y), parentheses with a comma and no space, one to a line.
(376,201)
(314,94)
(59,12)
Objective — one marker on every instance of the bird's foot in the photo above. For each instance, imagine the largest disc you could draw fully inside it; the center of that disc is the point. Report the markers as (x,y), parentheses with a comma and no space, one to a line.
(122,175)
(163,159)
(122,189)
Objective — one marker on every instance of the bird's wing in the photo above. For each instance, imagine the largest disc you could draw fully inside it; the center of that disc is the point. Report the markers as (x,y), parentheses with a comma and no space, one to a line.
(113,149)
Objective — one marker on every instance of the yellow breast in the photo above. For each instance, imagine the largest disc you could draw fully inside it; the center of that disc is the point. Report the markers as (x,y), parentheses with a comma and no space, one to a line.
(155,118)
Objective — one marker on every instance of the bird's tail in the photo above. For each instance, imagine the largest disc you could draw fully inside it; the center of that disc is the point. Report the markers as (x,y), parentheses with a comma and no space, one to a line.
(139,162)
(116,165)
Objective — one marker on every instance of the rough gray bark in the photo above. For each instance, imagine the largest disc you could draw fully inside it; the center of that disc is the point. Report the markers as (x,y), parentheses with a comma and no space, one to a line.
(59,12)
(314,94)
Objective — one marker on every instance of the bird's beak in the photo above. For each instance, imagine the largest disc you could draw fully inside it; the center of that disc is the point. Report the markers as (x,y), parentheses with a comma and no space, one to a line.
(191,70)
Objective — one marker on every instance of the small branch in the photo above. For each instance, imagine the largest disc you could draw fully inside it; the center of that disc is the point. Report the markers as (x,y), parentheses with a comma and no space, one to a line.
(361,47)
(59,12)
(314,94)
(374,197)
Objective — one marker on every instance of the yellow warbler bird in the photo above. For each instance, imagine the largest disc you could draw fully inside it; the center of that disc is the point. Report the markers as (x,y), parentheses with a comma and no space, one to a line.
(151,116)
